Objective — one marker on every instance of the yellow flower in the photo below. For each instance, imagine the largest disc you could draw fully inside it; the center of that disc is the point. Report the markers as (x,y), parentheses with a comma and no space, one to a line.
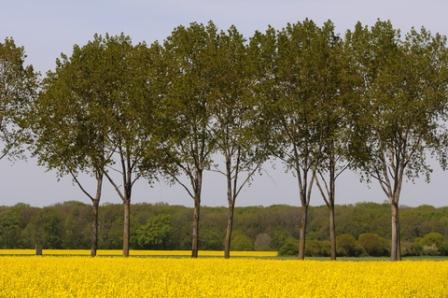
(114,276)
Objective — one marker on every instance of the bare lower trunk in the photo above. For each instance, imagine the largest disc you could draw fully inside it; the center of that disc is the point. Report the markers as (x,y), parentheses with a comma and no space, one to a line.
(302,232)
(231,201)
(195,232)
(332,233)
(196,213)
(94,245)
(126,227)
(229,230)
(395,254)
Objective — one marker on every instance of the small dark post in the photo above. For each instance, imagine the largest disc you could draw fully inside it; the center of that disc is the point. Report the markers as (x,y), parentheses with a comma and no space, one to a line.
(38,250)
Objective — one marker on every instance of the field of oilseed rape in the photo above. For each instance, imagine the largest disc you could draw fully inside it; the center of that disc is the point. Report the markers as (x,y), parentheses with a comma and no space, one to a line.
(138,253)
(58,276)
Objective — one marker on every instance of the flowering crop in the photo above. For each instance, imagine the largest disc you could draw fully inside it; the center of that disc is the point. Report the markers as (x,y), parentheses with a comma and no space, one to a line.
(117,252)
(30,276)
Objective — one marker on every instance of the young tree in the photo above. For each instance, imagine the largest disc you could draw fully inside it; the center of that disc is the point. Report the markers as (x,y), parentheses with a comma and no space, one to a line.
(402,88)
(68,121)
(133,101)
(18,86)
(190,53)
(336,99)
(231,83)
(290,84)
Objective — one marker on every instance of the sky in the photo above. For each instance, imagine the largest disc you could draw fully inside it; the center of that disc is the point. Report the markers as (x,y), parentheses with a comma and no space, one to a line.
(47,28)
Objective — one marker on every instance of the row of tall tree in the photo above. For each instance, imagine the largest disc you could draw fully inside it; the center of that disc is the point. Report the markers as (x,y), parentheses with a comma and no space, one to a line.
(372,100)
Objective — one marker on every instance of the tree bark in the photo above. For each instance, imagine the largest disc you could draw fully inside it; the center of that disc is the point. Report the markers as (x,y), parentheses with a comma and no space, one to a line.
(231,202)
(302,232)
(332,233)
(197,186)
(395,253)
(229,229)
(126,226)
(94,245)
(195,232)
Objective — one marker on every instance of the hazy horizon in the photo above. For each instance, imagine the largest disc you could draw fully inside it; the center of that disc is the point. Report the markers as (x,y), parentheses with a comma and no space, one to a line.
(48,27)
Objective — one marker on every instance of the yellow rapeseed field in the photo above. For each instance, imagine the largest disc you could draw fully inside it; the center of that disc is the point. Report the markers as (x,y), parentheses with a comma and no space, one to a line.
(117,252)
(57,276)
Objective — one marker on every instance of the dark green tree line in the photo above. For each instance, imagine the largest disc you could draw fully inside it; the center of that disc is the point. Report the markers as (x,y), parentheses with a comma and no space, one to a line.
(364,228)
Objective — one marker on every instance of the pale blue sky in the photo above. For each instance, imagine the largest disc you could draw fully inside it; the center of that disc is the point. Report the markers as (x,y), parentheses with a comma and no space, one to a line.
(48,27)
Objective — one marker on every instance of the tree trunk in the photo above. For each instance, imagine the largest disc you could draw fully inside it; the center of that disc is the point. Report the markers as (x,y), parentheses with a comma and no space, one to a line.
(229,230)
(126,227)
(196,211)
(94,245)
(195,232)
(302,232)
(231,202)
(395,254)
(332,233)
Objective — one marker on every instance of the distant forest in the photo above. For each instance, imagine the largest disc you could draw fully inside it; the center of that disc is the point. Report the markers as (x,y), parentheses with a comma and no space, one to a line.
(362,228)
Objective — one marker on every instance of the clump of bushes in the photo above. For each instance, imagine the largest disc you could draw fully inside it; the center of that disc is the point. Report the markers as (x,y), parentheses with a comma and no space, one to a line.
(368,244)
(289,248)
(431,244)
(347,246)
(313,248)
(241,241)
(374,245)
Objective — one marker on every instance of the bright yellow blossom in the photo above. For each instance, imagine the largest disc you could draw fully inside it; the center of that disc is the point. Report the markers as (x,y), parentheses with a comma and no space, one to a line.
(57,276)
(117,252)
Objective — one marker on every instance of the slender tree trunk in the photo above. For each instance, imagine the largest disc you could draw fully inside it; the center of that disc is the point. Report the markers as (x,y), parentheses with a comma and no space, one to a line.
(196,215)
(231,202)
(395,254)
(302,232)
(94,245)
(195,232)
(332,233)
(126,226)
(229,229)
(332,199)
(95,206)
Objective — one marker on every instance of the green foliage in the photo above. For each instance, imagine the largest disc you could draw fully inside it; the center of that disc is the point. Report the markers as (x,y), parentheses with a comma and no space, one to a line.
(316,248)
(411,249)
(18,89)
(401,95)
(51,229)
(289,248)
(9,229)
(70,224)
(262,242)
(212,238)
(431,243)
(290,72)
(155,233)
(279,238)
(374,245)
(189,141)
(347,246)
(444,248)
(241,241)
(69,116)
